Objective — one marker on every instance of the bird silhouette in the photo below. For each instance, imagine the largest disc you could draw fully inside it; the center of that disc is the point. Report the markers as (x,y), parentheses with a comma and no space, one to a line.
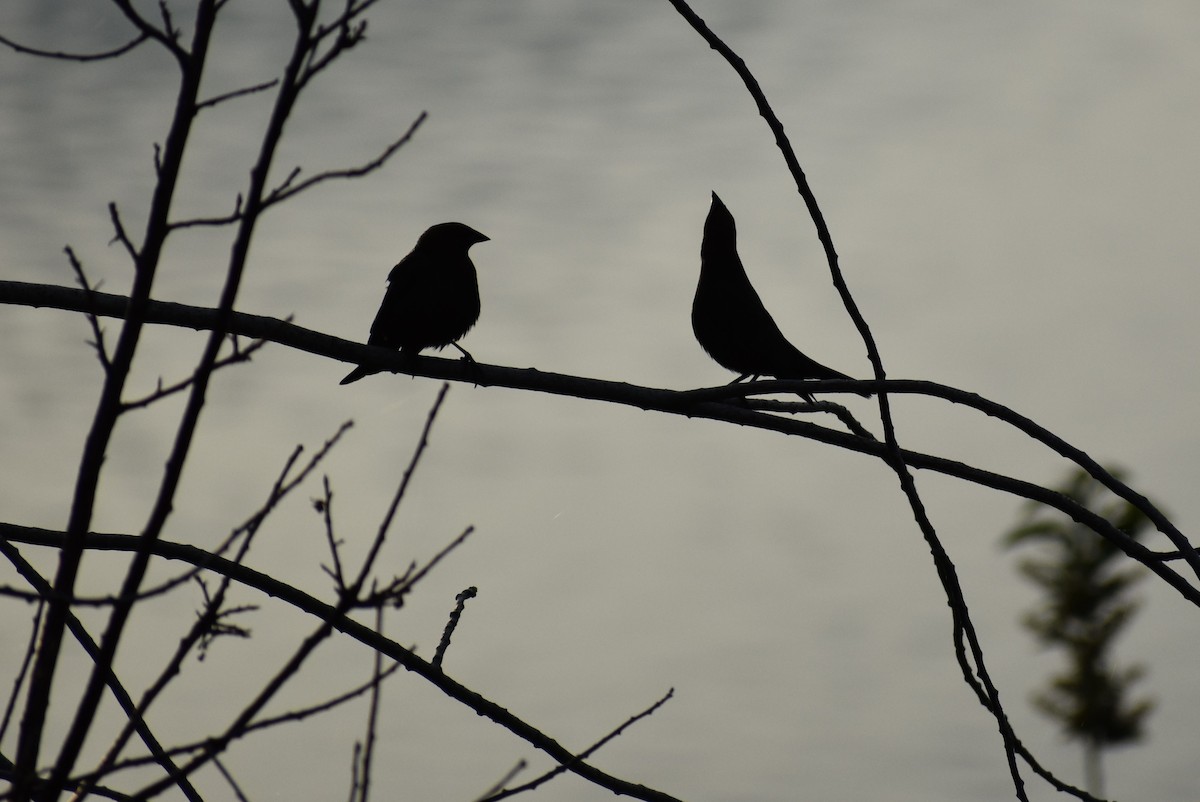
(432,298)
(729,319)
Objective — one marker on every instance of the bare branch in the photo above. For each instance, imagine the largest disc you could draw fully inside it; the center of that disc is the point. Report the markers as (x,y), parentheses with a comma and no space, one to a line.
(460,602)
(584,755)
(400,587)
(236,93)
(164,499)
(136,722)
(168,38)
(116,52)
(168,25)
(974,671)
(799,407)
(290,716)
(237,791)
(287,190)
(95,451)
(347,32)
(26,661)
(213,621)
(368,750)
(233,217)
(384,525)
(238,356)
(119,227)
(693,403)
(244,531)
(508,777)
(354,629)
(97,341)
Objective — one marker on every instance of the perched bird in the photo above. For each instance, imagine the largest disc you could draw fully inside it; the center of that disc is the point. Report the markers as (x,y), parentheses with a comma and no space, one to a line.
(729,319)
(432,298)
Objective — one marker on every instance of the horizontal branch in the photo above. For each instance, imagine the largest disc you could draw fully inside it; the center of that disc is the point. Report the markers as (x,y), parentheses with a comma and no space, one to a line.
(64,56)
(712,403)
(348,626)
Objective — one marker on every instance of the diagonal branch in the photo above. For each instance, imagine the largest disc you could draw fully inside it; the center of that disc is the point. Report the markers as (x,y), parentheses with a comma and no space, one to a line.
(246,90)
(136,721)
(504,793)
(339,621)
(287,189)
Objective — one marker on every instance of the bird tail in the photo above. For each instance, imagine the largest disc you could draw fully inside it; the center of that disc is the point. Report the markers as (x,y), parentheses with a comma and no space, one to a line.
(808,369)
(357,374)
(833,374)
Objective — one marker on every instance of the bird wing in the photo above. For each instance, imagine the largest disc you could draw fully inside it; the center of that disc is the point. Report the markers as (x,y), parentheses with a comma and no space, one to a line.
(401,304)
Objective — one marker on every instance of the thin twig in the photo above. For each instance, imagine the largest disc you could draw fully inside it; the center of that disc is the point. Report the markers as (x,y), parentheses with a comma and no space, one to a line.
(395,592)
(212,222)
(119,234)
(800,407)
(213,620)
(58,54)
(348,31)
(26,661)
(368,751)
(97,332)
(289,717)
(236,93)
(508,777)
(324,507)
(237,791)
(460,602)
(584,755)
(381,533)
(287,189)
(238,356)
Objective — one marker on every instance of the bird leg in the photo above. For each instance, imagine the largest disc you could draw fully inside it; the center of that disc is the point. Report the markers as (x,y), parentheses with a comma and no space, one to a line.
(472,366)
(466,354)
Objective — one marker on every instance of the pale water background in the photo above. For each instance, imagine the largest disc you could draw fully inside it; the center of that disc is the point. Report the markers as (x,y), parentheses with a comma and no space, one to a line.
(1013,189)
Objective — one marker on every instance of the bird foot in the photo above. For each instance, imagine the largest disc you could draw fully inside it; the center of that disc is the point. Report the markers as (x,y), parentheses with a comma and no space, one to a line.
(466,355)
(472,365)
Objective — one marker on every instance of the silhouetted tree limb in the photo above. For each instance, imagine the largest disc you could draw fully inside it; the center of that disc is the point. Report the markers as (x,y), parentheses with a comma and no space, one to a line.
(136,722)
(236,93)
(974,670)
(287,189)
(167,36)
(505,793)
(316,45)
(116,52)
(191,63)
(713,403)
(338,620)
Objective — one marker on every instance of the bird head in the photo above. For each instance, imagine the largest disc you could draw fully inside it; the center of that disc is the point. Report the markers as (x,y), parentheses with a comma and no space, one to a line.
(720,232)
(450,235)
